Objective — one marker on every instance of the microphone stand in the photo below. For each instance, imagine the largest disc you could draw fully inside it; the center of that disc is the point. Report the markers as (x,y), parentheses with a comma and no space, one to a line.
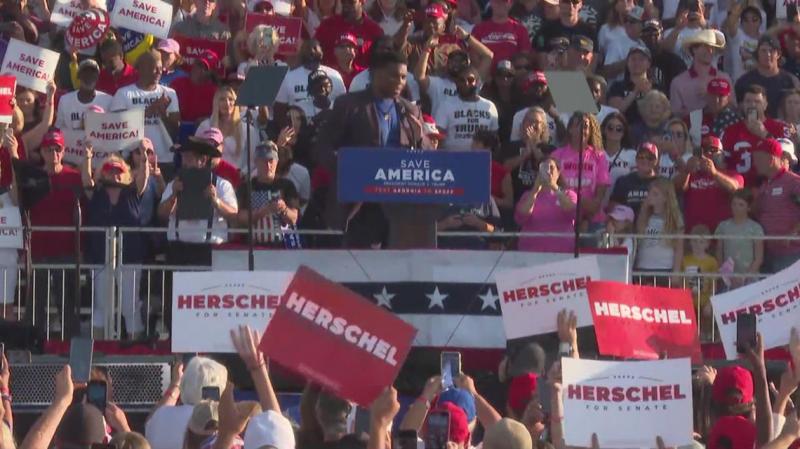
(581,144)
(75,312)
(249,190)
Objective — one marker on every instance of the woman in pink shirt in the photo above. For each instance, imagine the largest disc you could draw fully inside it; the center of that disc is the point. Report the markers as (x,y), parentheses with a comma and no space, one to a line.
(547,208)
(596,179)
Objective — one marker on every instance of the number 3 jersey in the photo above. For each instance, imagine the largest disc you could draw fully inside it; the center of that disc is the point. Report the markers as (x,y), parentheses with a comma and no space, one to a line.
(738,143)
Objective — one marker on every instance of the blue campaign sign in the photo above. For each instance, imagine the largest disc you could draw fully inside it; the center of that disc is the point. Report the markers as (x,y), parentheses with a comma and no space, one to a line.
(413,176)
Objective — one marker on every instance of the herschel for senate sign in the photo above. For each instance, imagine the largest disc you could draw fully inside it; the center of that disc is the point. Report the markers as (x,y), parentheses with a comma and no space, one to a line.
(413,176)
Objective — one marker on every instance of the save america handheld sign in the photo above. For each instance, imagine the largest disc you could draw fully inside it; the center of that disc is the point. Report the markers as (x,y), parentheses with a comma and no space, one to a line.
(408,176)
(206,306)
(530,298)
(32,66)
(627,404)
(145,16)
(643,322)
(114,131)
(336,338)
(775,301)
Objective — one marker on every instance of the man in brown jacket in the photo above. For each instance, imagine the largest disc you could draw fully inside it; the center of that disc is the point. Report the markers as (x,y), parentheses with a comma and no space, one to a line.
(377,117)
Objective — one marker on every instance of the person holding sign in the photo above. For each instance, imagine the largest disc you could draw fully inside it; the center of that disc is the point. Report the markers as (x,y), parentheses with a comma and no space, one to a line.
(35,126)
(115,196)
(262,44)
(160,103)
(9,256)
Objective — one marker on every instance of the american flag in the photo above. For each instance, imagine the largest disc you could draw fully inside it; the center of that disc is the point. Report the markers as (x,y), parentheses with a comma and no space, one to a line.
(271,229)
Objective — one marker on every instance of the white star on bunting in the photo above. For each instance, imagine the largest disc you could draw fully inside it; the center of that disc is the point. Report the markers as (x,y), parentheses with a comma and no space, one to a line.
(384,298)
(489,299)
(436,298)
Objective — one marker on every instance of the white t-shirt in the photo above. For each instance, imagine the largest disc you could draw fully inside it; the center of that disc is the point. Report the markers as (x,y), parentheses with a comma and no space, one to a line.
(618,50)
(655,253)
(69,119)
(666,168)
(195,231)
(229,147)
(293,88)
(620,164)
(740,54)
(361,82)
(608,34)
(460,119)
(131,97)
(441,90)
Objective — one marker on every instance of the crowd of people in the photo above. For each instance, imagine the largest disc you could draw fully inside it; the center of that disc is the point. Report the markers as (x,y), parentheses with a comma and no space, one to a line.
(520,406)
(692,143)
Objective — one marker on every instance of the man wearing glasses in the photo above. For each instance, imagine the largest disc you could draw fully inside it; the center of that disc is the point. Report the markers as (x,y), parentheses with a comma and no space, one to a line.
(707,186)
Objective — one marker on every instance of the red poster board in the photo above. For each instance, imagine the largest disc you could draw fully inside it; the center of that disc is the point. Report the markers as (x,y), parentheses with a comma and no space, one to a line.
(288,28)
(336,338)
(7,86)
(633,321)
(191,48)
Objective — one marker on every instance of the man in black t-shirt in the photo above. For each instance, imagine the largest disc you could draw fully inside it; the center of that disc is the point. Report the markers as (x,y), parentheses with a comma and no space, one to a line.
(568,25)
(631,189)
(275,204)
(768,74)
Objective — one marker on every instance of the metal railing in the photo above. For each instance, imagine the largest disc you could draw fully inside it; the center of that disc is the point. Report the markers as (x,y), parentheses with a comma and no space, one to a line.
(122,292)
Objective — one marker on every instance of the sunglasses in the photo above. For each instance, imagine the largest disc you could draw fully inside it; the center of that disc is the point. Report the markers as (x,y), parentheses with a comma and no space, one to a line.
(618,128)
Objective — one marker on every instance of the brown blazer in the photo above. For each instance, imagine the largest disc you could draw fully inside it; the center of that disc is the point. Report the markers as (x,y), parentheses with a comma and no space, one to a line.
(353,122)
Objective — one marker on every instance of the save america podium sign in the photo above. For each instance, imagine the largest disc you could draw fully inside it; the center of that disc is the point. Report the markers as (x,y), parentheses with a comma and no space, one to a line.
(413,176)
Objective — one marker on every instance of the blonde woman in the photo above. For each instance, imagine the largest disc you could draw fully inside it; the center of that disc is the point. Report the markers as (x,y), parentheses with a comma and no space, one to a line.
(659,216)
(226,116)
(115,196)
(524,158)
(654,112)
(262,44)
(584,131)
(676,148)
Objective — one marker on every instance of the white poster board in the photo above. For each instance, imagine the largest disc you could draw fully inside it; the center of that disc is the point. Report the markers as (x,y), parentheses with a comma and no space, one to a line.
(773,300)
(145,16)
(111,132)
(531,298)
(10,227)
(207,305)
(33,66)
(66,10)
(627,404)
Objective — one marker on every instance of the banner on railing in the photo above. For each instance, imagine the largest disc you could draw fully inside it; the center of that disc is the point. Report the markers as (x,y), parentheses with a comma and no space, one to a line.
(532,297)
(336,338)
(773,300)
(627,404)
(408,176)
(10,227)
(640,322)
(206,306)
(449,296)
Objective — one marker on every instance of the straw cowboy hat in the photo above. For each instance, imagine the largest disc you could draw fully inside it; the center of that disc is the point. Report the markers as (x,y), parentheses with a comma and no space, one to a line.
(709,37)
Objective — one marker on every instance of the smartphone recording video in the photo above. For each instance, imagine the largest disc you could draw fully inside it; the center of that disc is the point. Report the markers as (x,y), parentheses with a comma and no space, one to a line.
(450,368)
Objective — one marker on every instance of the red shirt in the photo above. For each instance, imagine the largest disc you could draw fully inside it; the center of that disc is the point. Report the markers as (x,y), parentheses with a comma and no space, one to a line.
(779,212)
(497,173)
(333,27)
(5,162)
(228,172)
(705,202)
(56,209)
(348,77)
(504,39)
(737,142)
(109,83)
(194,100)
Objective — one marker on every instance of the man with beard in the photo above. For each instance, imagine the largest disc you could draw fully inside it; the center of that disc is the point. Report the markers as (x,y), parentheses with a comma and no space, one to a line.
(293,90)
(352,20)
(460,117)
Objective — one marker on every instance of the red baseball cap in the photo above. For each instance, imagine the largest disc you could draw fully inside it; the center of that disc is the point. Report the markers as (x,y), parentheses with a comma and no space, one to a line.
(710,140)
(430,128)
(53,138)
(436,11)
(648,147)
(115,166)
(732,379)
(733,432)
(347,39)
(719,87)
(771,147)
(459,427)
(521,391)
(534,77)
(208,58)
